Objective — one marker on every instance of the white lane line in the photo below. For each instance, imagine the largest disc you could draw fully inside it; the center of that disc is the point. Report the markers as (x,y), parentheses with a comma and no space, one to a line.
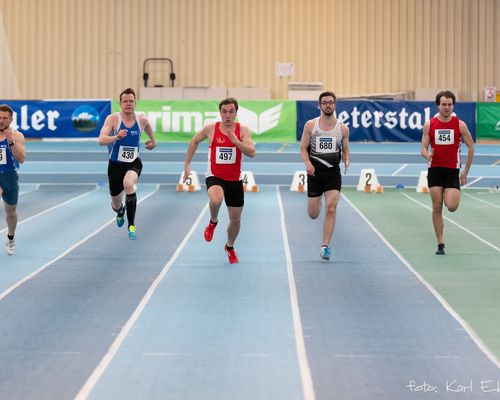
(472,182)
(399,170)
(115,346)
(305,371)
(456,224)
(65,252)
(51,208)
(479,343)
(482,201)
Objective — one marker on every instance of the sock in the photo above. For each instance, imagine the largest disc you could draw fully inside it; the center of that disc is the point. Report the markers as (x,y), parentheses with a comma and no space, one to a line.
(214,223)
(131,202)
(10,237)
(229,247)
(120,211)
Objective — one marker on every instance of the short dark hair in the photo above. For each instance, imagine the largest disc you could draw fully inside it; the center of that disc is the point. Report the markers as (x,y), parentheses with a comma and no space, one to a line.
(127,91)
(6,108)
(327,94)
(445,93)
(229,100)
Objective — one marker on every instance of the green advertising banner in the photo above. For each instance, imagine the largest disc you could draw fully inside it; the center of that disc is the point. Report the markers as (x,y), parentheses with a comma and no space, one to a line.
(488,121)
(179,120)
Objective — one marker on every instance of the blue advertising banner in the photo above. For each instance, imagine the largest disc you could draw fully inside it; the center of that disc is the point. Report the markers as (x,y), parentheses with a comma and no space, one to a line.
(59,119)
(385,121)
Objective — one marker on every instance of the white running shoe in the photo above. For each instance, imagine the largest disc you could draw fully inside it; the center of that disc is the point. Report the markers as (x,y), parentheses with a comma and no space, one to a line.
(10,246)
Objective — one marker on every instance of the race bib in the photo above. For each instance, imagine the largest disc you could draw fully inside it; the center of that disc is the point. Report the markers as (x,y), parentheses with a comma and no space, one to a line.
(127,153)
(225,155)
(326,144)
(3,155)
(444,136)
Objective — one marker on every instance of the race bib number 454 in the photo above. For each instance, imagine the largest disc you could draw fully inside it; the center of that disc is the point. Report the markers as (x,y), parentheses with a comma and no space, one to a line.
(225,155)
(444,136)
(127,153)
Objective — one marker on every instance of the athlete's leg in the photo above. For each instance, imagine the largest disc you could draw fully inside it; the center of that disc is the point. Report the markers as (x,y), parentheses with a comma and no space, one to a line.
(331,201)
(437,211)
(11,218)
(129,184)
(234,224)
(215,198)
(314,206)
(451,199)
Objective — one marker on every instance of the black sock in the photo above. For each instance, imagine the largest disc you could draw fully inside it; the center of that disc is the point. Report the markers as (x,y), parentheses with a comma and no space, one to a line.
(229,247)
(10,237)
(120,211)
(131,202)
(214,223)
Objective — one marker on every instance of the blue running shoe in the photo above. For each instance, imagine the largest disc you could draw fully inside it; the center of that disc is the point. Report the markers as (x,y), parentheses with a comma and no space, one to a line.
(325,253)
(120,220)
(131,232)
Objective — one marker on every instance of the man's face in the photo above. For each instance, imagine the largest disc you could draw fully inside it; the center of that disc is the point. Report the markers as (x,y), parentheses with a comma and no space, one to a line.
(127,103)
(5,120)
(228,113)
(445,107)
(327,105)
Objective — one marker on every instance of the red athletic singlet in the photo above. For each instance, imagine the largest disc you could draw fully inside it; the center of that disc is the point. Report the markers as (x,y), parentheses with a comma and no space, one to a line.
(445,140)
(224,158)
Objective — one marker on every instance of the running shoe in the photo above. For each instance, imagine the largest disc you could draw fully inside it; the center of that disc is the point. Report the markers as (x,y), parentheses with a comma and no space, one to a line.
(325,253)
(231,255)
(209,231)
(10,246)
(120,219)
(131,232)
(440,250)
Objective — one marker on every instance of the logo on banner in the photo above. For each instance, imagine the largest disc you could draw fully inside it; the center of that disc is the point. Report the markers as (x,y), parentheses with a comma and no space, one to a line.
(85,118)
(260,123)
(497,127)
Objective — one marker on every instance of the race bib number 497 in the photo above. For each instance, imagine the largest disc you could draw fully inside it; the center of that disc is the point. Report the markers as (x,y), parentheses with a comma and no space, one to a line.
(225,155)
(444,136)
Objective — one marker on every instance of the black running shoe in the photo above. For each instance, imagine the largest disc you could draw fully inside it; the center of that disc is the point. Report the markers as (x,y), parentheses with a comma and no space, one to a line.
(440,249)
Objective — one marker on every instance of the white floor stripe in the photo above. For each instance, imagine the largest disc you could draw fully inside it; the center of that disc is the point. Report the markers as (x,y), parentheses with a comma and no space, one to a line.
(399,169)
(456,224)
(472,182)
(482,201)
(479,343)
(65,252)
(115,346)
(51,209)
(305,372)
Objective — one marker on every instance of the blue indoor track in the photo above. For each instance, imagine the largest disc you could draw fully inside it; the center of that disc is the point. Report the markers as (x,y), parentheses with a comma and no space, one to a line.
(87,313)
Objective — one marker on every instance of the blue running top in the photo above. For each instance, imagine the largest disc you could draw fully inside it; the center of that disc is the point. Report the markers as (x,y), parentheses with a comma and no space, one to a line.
(126,149)
(7,161)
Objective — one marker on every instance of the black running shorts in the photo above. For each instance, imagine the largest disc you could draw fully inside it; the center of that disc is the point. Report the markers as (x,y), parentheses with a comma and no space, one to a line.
(323,181)
(117,171)
(233,190)
(443,177)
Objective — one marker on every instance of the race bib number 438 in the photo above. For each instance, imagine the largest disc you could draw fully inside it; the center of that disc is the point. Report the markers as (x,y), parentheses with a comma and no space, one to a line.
(127,153)
(444,136)
(225,155)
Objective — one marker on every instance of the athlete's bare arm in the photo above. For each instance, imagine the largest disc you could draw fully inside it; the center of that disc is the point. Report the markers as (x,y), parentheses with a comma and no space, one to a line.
(467,139)
(151,143)
(425,142)
(109,124)
(346,155)
(305,141)
(246,145)
(206,133)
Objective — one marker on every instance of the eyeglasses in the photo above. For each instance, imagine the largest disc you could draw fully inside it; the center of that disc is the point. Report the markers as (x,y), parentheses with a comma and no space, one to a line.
(327,103)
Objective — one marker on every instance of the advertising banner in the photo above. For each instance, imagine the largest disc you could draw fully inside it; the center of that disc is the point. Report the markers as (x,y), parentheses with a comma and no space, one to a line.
(488,121)
(59,119)
(384,121)
(179,120)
